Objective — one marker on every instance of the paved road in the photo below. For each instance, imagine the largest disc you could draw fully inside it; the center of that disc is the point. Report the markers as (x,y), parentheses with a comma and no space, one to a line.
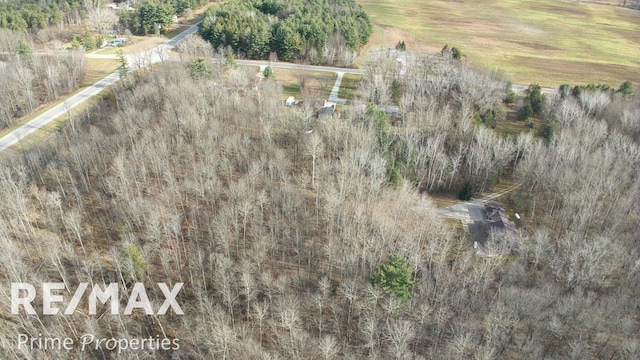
(62,108)
(519,89)
(154,56)
(283,65)
(57,111)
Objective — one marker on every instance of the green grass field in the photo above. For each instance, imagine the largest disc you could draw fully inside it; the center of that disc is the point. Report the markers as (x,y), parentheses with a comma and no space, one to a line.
(548,42)
(317,85)
(349,86)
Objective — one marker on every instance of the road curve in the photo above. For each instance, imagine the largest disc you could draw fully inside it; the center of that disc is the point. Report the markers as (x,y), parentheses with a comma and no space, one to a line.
(151,57)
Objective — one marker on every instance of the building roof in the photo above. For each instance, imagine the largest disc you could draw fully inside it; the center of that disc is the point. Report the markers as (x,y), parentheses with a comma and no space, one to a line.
(327,111)
(497,220)
(290,101)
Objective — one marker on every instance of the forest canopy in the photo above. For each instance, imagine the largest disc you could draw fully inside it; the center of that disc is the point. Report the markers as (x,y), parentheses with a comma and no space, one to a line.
(286,240)
(302,29)
(23,15)
(155,17)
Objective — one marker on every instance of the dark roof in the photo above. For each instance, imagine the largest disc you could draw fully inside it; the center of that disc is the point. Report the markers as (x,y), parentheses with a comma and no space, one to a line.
(497,220)
(327,111)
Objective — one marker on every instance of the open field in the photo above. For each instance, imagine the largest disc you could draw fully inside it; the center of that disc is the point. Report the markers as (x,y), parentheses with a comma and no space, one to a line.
(304,84)
(548,42)
(136,44)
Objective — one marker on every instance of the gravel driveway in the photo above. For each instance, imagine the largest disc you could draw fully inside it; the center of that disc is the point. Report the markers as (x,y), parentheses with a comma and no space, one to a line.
(471,214)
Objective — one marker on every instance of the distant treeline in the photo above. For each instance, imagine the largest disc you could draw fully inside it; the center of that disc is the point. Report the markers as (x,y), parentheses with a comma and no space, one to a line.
(156,16)
(310,29)
(23,15)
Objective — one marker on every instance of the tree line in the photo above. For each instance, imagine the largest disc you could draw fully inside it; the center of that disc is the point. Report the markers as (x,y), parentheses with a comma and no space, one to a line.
(31,15)
(300,245)
(312,30)
(152,17)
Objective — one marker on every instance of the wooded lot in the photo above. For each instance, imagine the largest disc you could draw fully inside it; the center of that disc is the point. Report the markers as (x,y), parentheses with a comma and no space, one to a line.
(276,233)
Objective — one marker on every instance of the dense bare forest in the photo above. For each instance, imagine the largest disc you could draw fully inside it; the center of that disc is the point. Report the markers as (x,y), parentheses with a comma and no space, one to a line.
(276,231)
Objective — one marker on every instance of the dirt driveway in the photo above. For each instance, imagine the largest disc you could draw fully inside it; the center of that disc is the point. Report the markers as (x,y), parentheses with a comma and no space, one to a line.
(472,215)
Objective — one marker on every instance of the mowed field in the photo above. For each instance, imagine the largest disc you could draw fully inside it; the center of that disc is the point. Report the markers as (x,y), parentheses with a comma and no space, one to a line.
(549,42)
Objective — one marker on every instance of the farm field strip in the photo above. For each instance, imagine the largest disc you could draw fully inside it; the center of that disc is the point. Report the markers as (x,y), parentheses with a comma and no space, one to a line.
(542,41)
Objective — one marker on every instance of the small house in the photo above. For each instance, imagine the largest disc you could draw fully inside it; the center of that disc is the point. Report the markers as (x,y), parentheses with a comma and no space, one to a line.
(290,101)
(497,220)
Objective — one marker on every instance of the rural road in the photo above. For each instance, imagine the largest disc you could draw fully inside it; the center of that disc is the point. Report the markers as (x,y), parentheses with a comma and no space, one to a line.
(282,65)
(153,56)
(55,112)
(69,103)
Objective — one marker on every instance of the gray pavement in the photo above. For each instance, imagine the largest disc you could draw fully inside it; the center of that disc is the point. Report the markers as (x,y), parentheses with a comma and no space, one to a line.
(471,215)
(333,96)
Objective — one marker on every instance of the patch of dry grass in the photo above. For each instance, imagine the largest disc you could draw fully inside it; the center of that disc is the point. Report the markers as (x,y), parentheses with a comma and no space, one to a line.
(136,44)
(444,199)
(304,84)
(97,69)
(349,86)
(511,126)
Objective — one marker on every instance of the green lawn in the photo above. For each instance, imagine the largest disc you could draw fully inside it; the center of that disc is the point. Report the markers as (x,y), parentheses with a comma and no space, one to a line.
(549,42)
(349,86)
(513,127)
